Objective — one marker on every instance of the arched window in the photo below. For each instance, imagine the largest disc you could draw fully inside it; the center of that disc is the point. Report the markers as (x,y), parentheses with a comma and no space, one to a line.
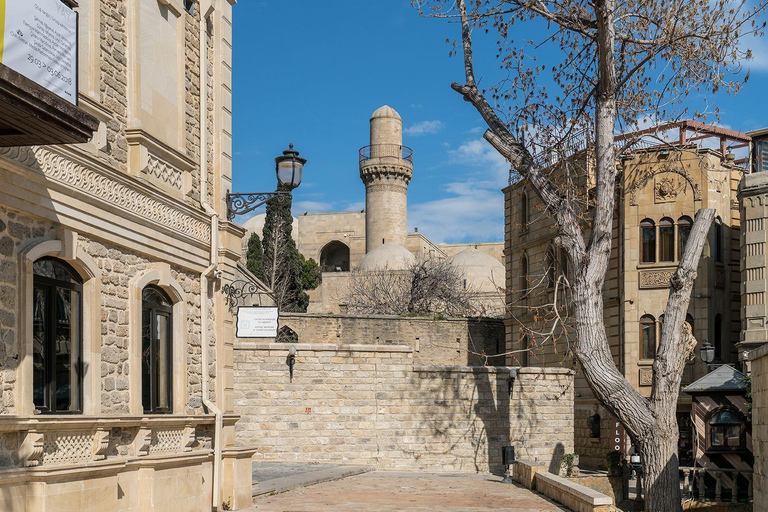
(647,337)
(334,257)
(666,240)
(524,281)
(57,334)
(718,240)
(524,211)
(725,426)
(684,225)
(689,321)
(156,350)
(648,241)
(718,337)
(594,426)
(550,268)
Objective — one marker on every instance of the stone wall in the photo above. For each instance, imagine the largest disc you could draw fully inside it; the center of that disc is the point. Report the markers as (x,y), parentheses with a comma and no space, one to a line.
(370,404)
(434,341)
(759,359)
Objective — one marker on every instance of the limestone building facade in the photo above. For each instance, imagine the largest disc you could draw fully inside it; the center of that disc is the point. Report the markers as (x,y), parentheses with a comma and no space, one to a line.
(660,189)
(116,346)
(377,237)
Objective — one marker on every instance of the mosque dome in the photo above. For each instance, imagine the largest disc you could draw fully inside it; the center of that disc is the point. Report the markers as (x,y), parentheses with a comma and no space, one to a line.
(483,273)
(385,111)
(388,256)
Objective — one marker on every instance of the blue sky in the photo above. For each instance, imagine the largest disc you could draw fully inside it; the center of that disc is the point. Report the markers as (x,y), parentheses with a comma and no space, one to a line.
(312,72)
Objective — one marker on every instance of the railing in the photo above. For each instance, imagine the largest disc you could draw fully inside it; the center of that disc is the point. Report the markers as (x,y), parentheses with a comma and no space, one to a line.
(386,150)
(719,485)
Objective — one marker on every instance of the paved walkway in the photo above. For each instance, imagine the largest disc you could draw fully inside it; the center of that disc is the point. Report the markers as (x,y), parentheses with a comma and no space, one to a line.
(390,491)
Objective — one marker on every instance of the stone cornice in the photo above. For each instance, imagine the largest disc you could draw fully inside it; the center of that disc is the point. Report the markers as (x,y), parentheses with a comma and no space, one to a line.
(386,172)
(79,171)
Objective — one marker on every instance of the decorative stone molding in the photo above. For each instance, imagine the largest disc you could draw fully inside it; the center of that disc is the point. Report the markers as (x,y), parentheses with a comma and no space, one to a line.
(646,376)
(667,188)
(32,447)
(655,278)
(373,172)
(168,441)
(67,448)
(143,441)
(719,277)
(100,444)
(644,177)
(189,437)
(92,181)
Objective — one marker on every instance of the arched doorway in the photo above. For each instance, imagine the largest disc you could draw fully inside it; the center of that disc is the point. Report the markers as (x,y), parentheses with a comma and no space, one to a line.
(334,257)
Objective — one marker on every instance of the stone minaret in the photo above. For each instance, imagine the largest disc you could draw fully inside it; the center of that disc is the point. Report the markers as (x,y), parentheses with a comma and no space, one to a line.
(386,167)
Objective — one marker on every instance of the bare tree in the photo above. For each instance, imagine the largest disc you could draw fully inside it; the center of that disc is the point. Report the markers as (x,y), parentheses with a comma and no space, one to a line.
(620,61)
(427,287)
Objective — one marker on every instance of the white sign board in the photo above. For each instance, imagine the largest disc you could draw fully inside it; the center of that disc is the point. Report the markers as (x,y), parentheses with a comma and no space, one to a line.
(256,322)
(38,39)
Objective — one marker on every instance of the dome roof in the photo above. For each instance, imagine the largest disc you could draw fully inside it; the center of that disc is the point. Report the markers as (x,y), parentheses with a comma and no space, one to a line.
(388,256)
(385,111)
(255,223)
(483,272)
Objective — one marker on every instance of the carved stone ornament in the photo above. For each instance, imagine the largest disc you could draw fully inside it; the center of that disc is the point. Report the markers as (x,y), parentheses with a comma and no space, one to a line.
(667,187)
(100,444)
(683,179)
(655,278)
(143,441)
(719,277)
(189,438)
(646,376)
(32,447)
(96,183)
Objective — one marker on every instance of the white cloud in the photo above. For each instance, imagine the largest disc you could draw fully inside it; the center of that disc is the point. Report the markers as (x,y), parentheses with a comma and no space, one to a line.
(424,128)
(355,207)
(474,208)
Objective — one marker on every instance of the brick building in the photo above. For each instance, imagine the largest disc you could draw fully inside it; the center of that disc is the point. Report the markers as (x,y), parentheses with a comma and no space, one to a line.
(660,188)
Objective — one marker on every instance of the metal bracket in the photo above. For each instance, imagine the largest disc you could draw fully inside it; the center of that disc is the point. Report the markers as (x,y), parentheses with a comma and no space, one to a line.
(240,204)
(235,290)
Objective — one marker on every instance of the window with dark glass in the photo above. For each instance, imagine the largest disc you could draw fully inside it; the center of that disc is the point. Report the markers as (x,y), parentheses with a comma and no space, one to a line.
(156,350)
(718,241)
(647,337)
(524,212)
(524,274)
(718,337)
(550,270)
(57,318)
(524,348)
(725,429)
(684,225)
(666,240)
(648,241)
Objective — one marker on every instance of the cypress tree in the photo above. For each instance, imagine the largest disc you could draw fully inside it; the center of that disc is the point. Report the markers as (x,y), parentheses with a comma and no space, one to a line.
(254,258)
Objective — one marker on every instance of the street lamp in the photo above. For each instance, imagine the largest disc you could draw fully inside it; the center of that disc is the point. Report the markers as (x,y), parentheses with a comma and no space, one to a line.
(289,169)
(707,352)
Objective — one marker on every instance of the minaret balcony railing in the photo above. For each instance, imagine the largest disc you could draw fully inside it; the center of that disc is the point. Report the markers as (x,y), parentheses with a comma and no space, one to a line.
(386,150)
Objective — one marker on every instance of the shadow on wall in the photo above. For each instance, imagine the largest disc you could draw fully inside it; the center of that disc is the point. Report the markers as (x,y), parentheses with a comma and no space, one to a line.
(557,457)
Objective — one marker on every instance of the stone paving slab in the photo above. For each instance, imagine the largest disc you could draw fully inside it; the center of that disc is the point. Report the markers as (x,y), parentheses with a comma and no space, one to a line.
(263,471)
(413,492)
(316,475)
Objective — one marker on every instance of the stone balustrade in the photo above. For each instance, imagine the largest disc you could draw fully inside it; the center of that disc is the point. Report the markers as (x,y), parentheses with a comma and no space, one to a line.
(44,441)
(720,485)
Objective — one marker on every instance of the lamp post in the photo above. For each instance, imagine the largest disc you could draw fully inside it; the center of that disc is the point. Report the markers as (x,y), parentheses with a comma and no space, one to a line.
(707,354)
(289,169)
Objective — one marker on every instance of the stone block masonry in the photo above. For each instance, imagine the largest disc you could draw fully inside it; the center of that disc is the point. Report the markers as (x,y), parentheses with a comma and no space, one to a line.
(759,361)
(445,341)
(370,404)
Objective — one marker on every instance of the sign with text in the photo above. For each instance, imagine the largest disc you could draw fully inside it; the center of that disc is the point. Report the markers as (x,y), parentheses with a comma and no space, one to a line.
(38,39)
(256,322)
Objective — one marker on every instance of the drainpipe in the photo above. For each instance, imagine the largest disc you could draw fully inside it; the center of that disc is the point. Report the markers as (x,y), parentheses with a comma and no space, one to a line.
(214,259)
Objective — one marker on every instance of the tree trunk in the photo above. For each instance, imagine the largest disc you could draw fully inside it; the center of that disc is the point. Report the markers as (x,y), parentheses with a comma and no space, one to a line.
(658,454)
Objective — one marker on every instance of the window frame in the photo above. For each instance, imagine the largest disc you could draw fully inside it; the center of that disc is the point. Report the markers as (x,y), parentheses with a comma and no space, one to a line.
(51,285)
(683,221)
(668,226)
(648,224)
(650,321)
(711,447)
(155,310)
